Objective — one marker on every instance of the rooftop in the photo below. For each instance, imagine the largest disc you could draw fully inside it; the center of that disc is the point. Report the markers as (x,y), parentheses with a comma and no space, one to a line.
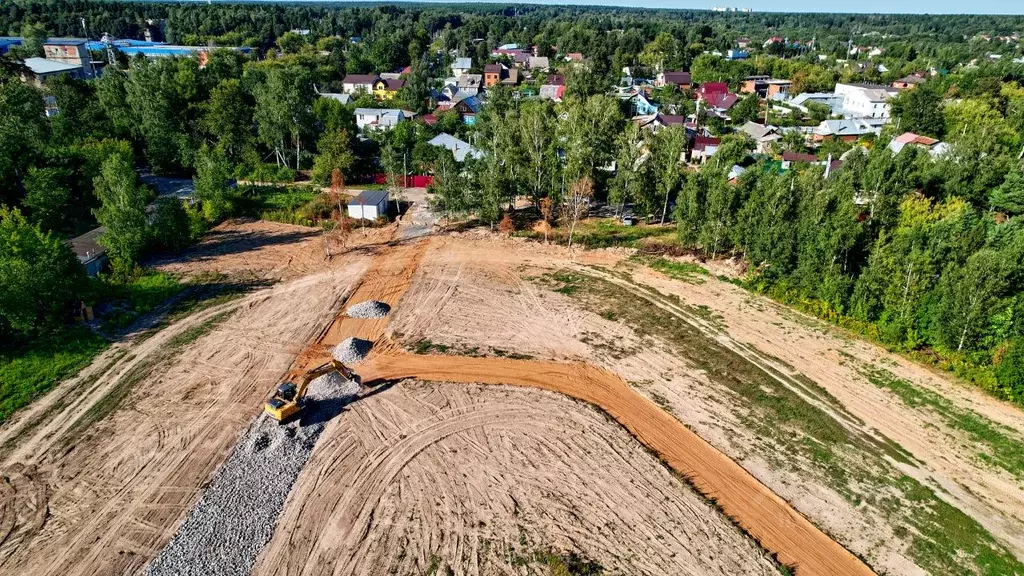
(87,246)
(44,66)
(369,198)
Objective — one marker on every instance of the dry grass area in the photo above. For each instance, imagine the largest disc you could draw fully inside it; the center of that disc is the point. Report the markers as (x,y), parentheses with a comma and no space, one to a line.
(424,477)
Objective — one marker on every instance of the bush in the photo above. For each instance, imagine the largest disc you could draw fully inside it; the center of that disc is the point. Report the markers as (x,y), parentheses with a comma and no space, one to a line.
(171,229)
(1010,372)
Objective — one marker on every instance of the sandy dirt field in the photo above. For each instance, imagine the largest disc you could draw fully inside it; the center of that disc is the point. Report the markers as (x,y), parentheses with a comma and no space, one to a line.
(98,490)
(476,296)
(479,479)
(949,458)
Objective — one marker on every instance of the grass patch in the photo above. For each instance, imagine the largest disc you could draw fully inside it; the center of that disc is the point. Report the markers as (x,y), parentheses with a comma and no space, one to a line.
(571,564)
(608,232)
(684,271)
(299,205)
(1001,450)
(29,372)
(121,303)
(807,439)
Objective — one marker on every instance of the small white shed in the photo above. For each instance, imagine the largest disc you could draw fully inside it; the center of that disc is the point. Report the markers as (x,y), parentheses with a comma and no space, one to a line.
(369,204)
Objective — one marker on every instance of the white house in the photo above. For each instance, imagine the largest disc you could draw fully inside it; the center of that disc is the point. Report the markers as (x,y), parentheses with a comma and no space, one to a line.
(358,83)
(378,118)
(461,66)
(369,205)
(460,148)
(865,100)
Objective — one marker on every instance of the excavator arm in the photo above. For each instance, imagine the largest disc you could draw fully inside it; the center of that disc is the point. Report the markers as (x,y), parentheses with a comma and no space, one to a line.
(288,396)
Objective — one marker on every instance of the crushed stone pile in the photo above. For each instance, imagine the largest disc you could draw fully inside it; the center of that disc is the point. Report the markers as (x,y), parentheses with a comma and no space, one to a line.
(351,350)
(368,309)
(235,516)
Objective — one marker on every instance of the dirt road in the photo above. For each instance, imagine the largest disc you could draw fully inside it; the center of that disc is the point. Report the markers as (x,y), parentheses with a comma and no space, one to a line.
(761,513)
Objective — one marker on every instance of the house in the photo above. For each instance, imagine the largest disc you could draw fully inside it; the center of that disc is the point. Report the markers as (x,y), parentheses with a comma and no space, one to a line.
(461,66)
(833,101)
(865,100)
(41,70)
(908,81)
(459,148)
(642,106)
(521,59)
(935,148)
(765,136)
(703,148)
(790,157)
(379,118)
(345,99)
(353,83)
(765,87)
(678,79)
(369,205)
(734,173)
(387,88)
(467,107)
(742,42)
(70,51)
(556,80)
(737,55)
(471,83)
(717,97)
(552,92)
(511,77)
(847,130)
(538,63)
(574,57)
(492,74)
(90,253)
(656,122)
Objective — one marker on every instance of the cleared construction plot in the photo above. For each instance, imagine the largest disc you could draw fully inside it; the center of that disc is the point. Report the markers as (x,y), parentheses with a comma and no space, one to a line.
(811,435)
(425,477)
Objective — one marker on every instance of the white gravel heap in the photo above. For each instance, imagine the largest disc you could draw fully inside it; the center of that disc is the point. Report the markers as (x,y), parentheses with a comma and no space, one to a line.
(351,350)
(235,517)
(368,309)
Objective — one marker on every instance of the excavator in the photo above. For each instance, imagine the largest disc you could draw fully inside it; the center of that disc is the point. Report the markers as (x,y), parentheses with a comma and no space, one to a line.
(288,397)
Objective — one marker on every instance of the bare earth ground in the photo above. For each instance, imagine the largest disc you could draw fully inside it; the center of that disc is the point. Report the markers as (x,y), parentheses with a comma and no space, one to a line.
(92,493)
(471,296)
(481,478)
(950,459)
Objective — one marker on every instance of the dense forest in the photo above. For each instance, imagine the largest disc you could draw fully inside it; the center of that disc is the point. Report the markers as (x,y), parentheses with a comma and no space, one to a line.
(924,254)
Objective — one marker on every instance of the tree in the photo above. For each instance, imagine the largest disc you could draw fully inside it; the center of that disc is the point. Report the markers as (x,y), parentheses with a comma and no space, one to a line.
(967,295)
(536,125)
(919,110)
(47,196)
(123,212)
(22,134)
(283,110)
(547,212)
(576,203)
(747,109)
(449,187)
(227,118)
(393,161)
(1010,371)
(171,229)
(668,145)
(211,184)
(632,177)
(334,154)
(39,277)
(1008,198)
(33,37)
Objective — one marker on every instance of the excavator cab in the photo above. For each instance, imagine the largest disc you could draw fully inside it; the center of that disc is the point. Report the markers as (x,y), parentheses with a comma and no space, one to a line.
(286,391)
(287,398)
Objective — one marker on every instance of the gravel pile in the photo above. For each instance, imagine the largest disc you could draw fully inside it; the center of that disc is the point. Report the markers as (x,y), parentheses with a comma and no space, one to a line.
(235,517)
(368,309)
(351,350)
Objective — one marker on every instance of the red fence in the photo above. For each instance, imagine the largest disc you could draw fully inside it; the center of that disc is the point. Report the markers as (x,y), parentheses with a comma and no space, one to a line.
(414,181)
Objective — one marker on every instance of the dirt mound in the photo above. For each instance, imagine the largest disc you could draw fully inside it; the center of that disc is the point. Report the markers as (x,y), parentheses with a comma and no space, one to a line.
(351,350)
(368,309)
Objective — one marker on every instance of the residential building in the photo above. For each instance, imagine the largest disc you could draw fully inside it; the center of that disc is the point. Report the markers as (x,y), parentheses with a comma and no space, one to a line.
(642,106)
(832,100)
(763,135)
(865,100)
(909,81)
(790,157)
(678,79)
(386,88)
(345,99)
(574,57)
(766,87)
(369,205)
(742,42)
(538,63)
(461,66)
(656,122)
(459,148)
(379,118)
(734,173)
(90,253)
(935,148)
(847,130)
(492,74)
(353,83)
(552,92)
(470,82)
(716,100)
(8,42)
(737,55)
(70,51)
(703,148)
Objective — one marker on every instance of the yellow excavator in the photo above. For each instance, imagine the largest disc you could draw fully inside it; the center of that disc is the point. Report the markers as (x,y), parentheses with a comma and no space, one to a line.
(288,397)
